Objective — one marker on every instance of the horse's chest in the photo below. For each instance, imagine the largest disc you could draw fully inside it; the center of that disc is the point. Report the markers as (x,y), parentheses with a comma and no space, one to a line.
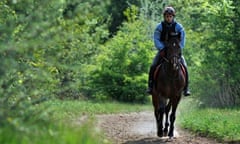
(169,87)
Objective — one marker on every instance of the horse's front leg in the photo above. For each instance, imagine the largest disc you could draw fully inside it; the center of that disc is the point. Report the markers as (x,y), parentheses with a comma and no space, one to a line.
(161,111)
(167,109)
(158,122)
(158,114)
(173,117)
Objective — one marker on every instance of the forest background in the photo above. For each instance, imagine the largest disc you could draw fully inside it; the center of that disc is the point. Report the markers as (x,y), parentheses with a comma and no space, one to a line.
(101,50)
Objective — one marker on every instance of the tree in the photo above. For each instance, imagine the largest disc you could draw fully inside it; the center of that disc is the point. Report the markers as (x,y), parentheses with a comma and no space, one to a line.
(212,48)
(121,72)
(44,54)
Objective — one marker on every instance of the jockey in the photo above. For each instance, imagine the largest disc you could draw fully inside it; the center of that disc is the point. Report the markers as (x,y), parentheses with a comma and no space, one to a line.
(161,34)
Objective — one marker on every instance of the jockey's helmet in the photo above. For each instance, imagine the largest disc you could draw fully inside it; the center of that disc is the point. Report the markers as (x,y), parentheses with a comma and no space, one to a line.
(169,10)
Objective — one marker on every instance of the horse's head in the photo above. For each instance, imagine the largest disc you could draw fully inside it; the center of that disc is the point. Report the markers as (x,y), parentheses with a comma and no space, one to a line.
(173,52)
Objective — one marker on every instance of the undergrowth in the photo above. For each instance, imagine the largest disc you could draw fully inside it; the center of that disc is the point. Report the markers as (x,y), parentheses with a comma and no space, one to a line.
(222,124)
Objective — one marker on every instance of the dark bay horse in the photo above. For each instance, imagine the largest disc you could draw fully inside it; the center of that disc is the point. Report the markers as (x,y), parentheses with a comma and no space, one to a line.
(169,83)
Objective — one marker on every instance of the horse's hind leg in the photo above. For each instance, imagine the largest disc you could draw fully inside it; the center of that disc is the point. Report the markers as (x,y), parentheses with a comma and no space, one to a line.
(167,109)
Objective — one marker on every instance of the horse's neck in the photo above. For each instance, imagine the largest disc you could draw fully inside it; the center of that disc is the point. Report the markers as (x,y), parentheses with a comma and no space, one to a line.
(168,68)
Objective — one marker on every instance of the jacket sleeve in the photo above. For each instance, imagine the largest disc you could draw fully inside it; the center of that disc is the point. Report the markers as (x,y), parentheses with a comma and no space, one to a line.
(157,37)
(180,29)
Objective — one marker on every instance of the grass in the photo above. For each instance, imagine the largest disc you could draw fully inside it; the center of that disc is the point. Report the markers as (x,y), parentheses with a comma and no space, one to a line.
(51,134)
(73,109)
(56,123)
(222,124)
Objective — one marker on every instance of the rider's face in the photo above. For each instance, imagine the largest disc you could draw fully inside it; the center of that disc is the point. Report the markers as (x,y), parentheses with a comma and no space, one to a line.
(168,18)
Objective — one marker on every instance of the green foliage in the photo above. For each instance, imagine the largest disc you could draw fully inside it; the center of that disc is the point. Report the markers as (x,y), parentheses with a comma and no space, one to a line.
(26,77)
(49,49)
(53,133)
(123,63)
(222,49)
(44,54)
(62,49)
(64,123)
(69,109)
(116,9)
(222,124)
(212,49)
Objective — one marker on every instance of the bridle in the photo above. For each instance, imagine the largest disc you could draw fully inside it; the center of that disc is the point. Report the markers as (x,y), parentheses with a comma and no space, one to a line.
(173,59)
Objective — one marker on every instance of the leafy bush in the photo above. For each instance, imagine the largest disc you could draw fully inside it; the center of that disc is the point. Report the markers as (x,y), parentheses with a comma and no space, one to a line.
(212,49)
(27,77)
(44,54)
(123,63)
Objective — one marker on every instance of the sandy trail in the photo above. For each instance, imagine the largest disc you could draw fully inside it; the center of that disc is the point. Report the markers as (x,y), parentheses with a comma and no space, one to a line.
(140,128)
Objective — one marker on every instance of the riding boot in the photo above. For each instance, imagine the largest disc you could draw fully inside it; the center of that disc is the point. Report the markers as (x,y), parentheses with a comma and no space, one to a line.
(150,80)
(186,90)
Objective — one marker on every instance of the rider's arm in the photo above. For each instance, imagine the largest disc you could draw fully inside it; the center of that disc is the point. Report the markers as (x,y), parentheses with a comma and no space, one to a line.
(180,29)
(157,37)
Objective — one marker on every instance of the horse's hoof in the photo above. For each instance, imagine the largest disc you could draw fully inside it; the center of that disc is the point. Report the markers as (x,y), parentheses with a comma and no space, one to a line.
(165,133)
(160,134)
(170,139)
(170,135)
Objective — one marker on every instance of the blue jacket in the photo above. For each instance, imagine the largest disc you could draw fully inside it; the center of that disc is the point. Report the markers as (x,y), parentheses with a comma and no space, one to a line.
(157,36)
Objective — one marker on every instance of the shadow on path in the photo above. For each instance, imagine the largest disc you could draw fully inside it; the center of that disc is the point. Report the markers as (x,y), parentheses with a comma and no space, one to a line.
(152,140)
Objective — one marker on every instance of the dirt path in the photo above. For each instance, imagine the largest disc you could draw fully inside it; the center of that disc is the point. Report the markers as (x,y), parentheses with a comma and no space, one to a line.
(140,128)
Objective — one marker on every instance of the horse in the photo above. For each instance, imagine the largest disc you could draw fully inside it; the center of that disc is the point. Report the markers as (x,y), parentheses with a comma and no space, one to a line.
(169,81)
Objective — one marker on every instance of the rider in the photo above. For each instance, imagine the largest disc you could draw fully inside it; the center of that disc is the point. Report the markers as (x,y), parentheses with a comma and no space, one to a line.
(167,28)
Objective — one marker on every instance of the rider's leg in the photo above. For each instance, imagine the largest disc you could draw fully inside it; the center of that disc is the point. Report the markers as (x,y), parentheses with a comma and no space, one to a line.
(150,79)
(186,91)
(151,72)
